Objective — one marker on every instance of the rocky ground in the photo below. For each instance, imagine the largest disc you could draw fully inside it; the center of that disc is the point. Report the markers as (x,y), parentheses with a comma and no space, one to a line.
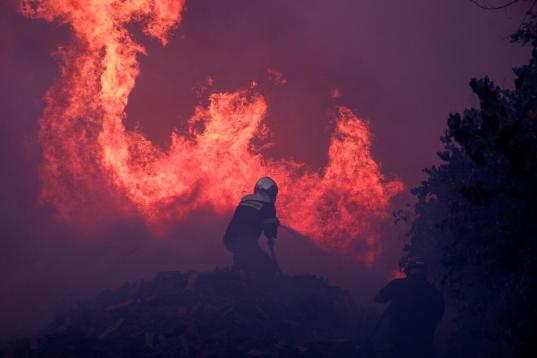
(213,314)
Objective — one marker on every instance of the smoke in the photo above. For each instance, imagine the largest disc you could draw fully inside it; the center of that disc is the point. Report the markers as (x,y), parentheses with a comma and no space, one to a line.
(89,157)
(360,48)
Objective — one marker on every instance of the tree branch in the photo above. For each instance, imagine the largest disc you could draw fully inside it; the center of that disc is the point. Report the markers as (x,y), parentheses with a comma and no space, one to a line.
(532,6)
(494,7)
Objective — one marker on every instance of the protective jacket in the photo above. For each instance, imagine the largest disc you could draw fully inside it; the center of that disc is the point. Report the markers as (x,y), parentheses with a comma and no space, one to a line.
(254,215)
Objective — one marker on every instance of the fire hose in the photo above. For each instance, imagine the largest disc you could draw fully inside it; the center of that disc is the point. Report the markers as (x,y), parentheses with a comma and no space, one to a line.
(272,243)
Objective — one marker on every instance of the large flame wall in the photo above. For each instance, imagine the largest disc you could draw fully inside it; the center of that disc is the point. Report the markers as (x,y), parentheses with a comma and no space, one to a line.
(88,154)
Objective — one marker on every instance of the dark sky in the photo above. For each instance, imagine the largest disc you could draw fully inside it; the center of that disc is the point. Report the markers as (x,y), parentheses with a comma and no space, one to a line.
(403,65)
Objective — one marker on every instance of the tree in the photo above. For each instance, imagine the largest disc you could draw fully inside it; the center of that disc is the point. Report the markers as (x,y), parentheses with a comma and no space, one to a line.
(476,215)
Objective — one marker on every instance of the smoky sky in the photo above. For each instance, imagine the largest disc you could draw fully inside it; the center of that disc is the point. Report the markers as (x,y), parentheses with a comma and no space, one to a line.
(402,65)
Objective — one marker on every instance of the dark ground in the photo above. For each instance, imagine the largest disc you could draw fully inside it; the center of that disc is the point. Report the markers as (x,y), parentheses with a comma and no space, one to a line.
(222,313)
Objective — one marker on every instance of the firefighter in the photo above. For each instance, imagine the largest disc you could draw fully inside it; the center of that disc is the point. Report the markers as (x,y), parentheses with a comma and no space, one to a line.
(416,307)
(255,214)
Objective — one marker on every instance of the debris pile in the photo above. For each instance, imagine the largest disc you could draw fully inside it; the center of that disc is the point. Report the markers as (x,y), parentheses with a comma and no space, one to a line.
(223,313)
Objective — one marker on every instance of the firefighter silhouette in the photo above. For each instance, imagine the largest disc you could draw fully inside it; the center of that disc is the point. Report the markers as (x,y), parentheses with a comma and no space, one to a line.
(416,307)
(255,214)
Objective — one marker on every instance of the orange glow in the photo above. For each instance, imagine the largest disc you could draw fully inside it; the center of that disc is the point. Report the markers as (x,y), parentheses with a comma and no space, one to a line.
(89,154)
(395,274)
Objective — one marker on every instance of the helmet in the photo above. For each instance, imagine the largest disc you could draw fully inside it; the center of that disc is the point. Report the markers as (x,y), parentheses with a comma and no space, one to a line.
(268,186)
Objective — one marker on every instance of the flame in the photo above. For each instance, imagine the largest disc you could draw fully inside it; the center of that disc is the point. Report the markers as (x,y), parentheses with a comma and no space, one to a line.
(88,153)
